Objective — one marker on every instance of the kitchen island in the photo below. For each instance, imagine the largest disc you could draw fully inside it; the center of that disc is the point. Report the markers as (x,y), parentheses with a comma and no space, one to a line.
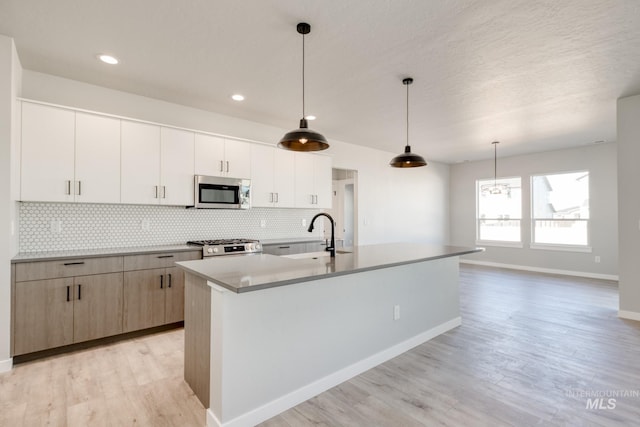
(264,333)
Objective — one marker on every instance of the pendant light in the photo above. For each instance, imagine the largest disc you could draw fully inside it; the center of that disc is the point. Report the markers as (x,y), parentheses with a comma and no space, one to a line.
(496,189)
(407,159)
(303,138)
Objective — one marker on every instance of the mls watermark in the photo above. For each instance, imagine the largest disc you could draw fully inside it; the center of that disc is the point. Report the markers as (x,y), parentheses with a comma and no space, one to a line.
(602,399)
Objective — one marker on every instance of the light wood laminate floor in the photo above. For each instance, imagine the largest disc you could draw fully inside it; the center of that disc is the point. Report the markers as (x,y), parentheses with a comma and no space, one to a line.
(532,350)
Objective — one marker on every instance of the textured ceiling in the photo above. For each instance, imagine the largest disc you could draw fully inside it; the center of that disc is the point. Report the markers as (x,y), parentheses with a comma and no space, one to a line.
(536,75)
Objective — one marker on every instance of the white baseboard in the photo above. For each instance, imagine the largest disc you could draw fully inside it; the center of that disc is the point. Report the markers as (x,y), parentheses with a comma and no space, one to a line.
(298,396)
(631,315)
(543,270)
(6,365)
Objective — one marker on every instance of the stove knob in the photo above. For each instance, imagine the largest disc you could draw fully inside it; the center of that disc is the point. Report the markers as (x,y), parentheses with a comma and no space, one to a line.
(249,246)
(209,250)
(215,250)
(257,246)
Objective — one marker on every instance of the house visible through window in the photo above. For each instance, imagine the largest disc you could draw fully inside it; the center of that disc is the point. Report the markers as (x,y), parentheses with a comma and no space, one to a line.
(499,210)
(560,209)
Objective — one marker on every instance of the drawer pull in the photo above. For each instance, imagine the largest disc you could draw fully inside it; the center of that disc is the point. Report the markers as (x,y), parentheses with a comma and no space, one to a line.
(79,292)
(165,256)
(284,247)
(161,281)
(74,263)
(169,284)
(68,293)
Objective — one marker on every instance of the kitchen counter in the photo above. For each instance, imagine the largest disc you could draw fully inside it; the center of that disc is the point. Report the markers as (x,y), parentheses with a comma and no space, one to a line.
(261,271)
(96,253)
(250,355)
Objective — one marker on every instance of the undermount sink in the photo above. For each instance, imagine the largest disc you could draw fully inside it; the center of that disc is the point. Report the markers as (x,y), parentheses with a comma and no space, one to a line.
(314,255)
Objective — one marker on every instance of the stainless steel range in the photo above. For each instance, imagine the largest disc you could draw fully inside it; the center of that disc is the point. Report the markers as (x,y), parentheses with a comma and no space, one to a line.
(227,246)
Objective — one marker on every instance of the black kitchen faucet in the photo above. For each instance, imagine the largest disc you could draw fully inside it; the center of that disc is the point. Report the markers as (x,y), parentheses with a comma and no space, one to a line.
(332,247)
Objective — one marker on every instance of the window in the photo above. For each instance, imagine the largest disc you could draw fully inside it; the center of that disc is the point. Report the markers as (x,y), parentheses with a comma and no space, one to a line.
(560,209)
(499,210)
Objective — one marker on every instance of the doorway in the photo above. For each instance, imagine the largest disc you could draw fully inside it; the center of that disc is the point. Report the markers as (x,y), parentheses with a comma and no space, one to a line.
(344,208)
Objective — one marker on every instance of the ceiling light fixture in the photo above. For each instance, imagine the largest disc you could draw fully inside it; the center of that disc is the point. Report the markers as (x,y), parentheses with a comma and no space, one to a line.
(407,159)
(303,138)
(108,59)
(237,97)
(495,189)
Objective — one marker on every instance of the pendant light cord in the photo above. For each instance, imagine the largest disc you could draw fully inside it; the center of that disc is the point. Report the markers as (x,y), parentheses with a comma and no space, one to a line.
(303,112)
(407,115)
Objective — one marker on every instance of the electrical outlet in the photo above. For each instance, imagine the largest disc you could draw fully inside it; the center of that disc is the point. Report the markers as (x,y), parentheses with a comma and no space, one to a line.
(597,258)
(145,225)
(396,312)
(263,223)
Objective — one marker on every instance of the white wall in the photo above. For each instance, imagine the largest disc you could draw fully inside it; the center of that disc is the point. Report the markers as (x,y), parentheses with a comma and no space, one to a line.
(600,160)
(629,205)
(396,204)
(10,75)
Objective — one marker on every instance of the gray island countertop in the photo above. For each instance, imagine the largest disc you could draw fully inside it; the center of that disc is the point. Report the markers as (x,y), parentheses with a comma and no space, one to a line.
(262,271)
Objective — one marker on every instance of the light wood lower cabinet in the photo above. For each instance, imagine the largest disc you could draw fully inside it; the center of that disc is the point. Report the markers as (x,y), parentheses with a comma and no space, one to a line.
(97,307)
(43,316)
(154,296)
(56,303)
(143,299)
(55,312)
(174,296)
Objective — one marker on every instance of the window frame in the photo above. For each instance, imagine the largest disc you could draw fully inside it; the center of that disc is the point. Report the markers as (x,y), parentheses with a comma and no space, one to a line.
(498,243)
(567,247)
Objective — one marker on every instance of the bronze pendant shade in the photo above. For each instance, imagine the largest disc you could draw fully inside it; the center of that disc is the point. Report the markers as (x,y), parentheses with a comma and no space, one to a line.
(303,138)
(407,159)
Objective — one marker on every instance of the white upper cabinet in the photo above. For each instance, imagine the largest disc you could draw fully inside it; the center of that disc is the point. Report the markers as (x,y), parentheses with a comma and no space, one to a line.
(97,171)
(272,177)
(76,156)
(156,165)
(216,156)
(209,155)
(176,168)
(140,163)
(48,139)
(69,156)
(284,178)
(322,176)
(313,181)
(237,158)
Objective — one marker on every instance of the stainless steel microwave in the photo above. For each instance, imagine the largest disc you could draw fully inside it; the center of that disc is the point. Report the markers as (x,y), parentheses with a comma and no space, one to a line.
(212,192)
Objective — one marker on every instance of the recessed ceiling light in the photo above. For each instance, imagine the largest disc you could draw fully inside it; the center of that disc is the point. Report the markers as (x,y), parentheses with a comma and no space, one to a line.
(310,117)
(237,97)
(108,59)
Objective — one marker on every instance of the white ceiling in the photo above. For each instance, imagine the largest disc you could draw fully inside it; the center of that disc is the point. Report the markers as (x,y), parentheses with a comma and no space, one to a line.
(536,75)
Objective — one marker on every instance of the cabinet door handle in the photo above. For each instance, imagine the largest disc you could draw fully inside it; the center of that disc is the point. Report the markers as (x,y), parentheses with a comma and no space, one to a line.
(68,293)
(156,192)
(270,197)
(164,192)
(277,197)
(79,193)
(74,263)
(165,256)
(169,284)
(79,292)
(161,281)
(227,166)
(284,247)
(221,166)
(68,187)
